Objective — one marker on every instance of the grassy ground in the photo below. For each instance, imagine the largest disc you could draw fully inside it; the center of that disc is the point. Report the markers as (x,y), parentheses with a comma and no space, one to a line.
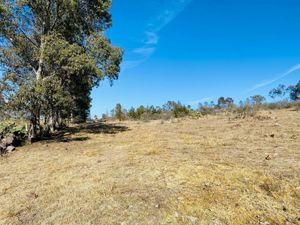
(214,170)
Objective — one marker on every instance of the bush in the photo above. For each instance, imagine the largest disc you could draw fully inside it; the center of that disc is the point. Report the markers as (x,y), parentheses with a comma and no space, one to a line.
(11,128)
(180,111)
(245,111)
(195,114)
(281,105)
(207,111)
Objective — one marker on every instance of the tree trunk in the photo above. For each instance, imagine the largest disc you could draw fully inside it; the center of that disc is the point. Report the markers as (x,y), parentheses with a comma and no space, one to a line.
(51,123)
(39,72)
(32,129)
(59,120)
(72,117)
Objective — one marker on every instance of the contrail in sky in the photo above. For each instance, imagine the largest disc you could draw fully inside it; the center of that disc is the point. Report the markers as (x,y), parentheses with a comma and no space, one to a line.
(268,82)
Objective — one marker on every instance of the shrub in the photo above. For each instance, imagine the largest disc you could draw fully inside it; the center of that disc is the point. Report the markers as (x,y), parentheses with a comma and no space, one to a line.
(180,111)
(207,111)
(245,111)
(119,115)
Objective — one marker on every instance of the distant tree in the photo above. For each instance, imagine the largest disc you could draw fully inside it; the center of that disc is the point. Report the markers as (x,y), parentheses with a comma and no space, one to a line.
(225,103)
(221,102)
(169,106)
(206,104)
(212,104)
(112,113)
(132,114)
(295,92)
(151,110)
(159,110)
(140,111)
(278,92)
(241,103)
(180,110)
(257,99)
(200,105)
(104,116)
(229,102)
(119,115)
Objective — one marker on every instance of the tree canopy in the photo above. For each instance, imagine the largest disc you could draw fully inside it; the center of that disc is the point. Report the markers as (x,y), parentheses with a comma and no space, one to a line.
(53,52)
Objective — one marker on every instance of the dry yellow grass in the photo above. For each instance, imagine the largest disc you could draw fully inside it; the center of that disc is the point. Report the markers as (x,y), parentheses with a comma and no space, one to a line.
(207,171)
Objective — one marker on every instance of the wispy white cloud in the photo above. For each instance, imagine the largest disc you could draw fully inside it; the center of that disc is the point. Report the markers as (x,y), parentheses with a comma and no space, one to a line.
(143,55)
(168,14)
(144,51)
(152,38)
(129,64)
(273,80)
(161,19)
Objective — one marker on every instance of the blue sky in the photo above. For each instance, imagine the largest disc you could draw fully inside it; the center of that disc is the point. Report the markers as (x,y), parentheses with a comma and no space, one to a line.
(198,50)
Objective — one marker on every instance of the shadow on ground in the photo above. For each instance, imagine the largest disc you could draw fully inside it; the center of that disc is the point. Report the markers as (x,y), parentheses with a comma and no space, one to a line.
(66,134)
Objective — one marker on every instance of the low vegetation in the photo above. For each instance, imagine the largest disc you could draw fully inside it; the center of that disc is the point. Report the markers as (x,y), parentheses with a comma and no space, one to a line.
(284,97)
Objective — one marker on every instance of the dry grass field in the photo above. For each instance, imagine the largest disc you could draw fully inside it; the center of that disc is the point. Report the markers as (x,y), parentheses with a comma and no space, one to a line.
(214,170)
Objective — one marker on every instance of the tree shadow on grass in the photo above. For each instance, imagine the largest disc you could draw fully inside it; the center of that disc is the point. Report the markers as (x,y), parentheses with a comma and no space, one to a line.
(65,135)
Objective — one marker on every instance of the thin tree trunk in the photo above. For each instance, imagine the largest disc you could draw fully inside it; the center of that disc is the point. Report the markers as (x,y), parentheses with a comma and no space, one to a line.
(39,72)
(72,117)
(59,120)
(32,129)
(51,122)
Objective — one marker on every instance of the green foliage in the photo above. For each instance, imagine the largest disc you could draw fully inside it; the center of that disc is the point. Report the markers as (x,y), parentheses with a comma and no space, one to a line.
(119,115)
(132,114)
(54,52)
(146,113)
(195,114)
(11,127)
(225,103)
(295,92)
(257,99)
(278,92)
(206,110)
(244,109)
(180,110)
(176,108)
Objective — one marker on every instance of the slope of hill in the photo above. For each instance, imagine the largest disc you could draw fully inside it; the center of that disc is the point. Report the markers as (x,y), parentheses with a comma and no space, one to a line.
(214,170)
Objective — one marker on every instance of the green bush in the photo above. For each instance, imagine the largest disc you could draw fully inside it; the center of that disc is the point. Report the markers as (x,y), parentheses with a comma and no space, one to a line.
(11,128)
(180,111)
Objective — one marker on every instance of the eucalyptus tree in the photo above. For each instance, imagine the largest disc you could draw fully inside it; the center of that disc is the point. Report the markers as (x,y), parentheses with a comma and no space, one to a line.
(295,92)
(53,52)
(257,99)
(119,112)
(280,91)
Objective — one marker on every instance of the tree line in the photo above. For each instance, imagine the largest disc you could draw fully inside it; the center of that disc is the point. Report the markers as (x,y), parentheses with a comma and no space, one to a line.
(52,53)
(286,97)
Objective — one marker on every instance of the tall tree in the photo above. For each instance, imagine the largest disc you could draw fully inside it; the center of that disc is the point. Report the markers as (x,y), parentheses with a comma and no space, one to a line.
(257,99)
(221,102)
(58,45)
(295,92)
(119,112)
(280,91)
